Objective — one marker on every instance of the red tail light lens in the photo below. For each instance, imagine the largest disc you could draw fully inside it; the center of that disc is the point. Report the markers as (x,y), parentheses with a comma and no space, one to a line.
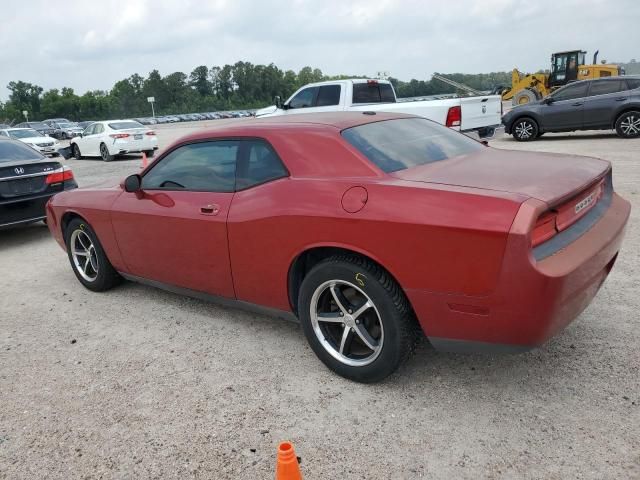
(119,135)
(150,132)
(59,177)
(544,229)
(454,116)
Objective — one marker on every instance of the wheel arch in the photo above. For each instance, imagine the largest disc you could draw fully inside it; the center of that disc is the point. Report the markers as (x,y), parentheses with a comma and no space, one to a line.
(66,219)
(623,110)
(302,263)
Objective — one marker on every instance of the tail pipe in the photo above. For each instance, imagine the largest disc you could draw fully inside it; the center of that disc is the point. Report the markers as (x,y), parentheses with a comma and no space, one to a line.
(595,57)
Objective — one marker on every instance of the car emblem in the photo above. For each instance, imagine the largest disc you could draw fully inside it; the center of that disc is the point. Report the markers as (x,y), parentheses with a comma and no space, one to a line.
(19,170)
(484,109)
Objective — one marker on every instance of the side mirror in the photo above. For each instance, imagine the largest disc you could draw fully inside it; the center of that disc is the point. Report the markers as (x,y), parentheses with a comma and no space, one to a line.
(548,101)
(132,183)
(80,134)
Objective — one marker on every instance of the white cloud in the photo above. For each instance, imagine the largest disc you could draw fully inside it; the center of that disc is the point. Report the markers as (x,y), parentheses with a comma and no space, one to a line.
(89,45)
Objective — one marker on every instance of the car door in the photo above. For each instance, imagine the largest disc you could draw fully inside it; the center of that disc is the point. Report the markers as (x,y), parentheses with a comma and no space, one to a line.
(605,98)
(84,142)
(565,110)
(174,230)
(95,139)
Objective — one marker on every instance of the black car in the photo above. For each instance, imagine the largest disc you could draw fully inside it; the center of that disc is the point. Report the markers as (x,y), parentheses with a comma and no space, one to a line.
(40,127)
(27,181)
(601,104)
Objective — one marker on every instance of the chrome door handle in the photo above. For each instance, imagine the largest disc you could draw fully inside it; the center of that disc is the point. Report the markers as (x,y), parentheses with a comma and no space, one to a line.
(576,104)
(621,99)
(211,209)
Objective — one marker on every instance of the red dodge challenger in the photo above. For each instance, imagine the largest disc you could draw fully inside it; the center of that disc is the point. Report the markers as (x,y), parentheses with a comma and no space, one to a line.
(368,227)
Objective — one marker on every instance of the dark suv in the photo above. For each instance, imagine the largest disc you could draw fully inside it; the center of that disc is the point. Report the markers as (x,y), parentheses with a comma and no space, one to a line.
(600,104)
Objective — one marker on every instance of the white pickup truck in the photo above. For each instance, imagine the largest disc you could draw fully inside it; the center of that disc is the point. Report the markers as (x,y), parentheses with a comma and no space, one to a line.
(479,116)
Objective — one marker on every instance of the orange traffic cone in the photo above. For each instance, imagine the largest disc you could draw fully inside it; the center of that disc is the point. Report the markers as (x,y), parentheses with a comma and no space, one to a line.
(287,467)
(144,160)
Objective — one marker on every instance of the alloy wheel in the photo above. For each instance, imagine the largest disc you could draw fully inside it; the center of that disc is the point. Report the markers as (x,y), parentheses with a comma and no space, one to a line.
(346,323)
(104,152)
(630,125)
(524,129)
(84,255)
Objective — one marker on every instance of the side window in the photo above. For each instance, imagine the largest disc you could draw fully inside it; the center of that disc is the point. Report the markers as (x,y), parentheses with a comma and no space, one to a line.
(328,95)
(607,86)
(200,167)
(90,130)
(98,128)
(304,98)
(570,92)
(633,83)
(258,163)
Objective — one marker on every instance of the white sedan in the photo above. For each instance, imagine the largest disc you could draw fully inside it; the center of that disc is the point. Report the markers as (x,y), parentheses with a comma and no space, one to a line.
(42,143)
(114,137)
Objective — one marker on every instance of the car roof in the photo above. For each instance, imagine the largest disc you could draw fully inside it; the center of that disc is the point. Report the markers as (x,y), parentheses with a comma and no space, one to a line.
(333,120)
(13,129)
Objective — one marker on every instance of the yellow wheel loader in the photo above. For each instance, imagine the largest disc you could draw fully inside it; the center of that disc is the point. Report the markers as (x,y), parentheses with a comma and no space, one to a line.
(565,67)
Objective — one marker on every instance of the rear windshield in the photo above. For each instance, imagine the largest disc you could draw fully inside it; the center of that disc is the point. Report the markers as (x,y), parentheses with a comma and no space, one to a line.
(394,145)
(125,125)
(12,151)
(373,93)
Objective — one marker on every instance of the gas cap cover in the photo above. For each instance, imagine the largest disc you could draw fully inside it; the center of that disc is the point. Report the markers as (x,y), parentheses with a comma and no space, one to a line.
(354,199)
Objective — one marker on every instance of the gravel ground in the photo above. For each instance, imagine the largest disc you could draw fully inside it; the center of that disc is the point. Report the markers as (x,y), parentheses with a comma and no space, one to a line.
(140,383)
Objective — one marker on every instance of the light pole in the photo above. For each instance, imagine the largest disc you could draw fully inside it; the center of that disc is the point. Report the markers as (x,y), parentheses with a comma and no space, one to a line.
(152,100)
(26,114)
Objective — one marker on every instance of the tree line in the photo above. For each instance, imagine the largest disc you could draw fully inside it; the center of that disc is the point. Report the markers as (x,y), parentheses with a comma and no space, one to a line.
(230,87)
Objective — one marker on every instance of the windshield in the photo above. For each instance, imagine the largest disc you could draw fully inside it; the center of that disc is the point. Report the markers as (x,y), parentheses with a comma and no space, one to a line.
(125,125)
(26,133)
(394,145)
(12,151)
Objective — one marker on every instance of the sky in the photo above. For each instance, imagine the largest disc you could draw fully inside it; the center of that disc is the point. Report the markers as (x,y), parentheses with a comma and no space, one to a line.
(89,44)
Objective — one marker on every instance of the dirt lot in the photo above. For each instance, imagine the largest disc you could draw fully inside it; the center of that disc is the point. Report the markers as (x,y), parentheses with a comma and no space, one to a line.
(140,383)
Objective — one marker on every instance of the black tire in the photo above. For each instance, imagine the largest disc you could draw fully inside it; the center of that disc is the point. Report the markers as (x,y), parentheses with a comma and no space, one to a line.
(103,275)
(390,324)
(76,151)
(150,153)
(104,153)
(628,124)
(525,129)
(540,134)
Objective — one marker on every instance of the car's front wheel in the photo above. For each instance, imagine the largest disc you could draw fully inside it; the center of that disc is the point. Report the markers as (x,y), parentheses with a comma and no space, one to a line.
(628,124)
(76,151)
(356,318)
(150,153)
(525,129)
(104,153)
(88,260)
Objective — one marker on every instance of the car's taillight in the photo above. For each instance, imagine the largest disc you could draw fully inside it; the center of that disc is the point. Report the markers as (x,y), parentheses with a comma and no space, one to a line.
(119,135)
(150,132)
(454,116)
(544,229)
(58,177)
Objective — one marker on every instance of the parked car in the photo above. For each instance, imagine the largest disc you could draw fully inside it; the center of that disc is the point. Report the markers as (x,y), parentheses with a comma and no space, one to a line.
(27,181)
(114,137)
(65,130)
(41,127)
(602,104)
(359,224)
(42,143)
(4,125)
(478,116)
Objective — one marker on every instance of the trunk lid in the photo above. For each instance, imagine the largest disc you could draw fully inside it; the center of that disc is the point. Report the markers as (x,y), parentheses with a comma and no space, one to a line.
(551,178)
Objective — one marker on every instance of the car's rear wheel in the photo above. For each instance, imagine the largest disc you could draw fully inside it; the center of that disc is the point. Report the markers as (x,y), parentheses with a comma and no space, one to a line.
(76,151)
(356,318)
(88,260)
(104,153)
(628,124)
(524,129)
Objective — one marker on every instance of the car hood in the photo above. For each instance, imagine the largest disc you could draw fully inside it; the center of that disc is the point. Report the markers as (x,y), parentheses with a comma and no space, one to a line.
(546,176)
(34,140)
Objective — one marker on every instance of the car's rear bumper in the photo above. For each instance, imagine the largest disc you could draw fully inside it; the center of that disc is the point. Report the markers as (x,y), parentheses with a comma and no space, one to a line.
(533,300)
(17,212)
